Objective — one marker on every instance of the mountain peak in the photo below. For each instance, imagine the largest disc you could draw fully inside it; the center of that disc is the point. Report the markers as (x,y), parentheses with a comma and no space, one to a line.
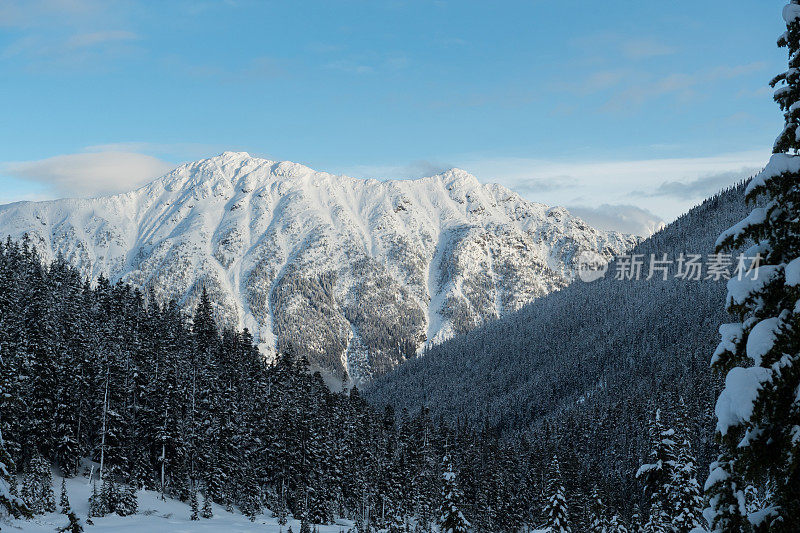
(234,154)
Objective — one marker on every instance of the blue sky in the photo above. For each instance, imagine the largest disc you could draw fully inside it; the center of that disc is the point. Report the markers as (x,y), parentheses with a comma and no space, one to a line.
(615,109)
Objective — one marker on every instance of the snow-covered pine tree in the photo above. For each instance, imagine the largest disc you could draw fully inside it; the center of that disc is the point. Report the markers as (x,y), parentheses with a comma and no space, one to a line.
(109,495)
(193,505)
(556,509)
(451,519)
(724,491)
(598,522)
(63,500)
(37,487)
(206,511)
(636,519)
(656,475)
(304,526)
(686,501)
(10,504)
(397,524)
(758,411)
(658,521)
(96,505)
(282,512)
(127,503)
(616,525)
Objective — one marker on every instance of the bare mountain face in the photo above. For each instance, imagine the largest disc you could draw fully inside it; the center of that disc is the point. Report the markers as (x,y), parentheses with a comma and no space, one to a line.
(357,274)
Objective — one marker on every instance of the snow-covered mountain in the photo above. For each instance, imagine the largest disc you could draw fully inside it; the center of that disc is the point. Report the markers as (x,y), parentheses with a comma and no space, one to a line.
(358,274)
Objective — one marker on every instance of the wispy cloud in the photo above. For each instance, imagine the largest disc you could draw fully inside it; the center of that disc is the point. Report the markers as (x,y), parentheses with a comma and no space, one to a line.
(32,13)
(698,188)
(624,218)
(645,48)
(616,46)
(257,68)
(89,174)
(85,40)
(49,34)
(347,65)
(178,151)
(451,42)
(415,169)
(368,62)
(665,187)
(611,69)
(555,183)
(637,90)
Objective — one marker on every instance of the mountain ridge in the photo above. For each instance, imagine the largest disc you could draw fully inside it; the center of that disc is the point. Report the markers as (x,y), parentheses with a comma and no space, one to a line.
(360,273)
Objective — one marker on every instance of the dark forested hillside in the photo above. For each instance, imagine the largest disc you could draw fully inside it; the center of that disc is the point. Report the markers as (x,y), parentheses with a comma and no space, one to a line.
(172,403)
(580,371)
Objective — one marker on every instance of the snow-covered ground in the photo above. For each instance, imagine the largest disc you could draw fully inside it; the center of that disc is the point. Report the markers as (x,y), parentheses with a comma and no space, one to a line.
(156,515)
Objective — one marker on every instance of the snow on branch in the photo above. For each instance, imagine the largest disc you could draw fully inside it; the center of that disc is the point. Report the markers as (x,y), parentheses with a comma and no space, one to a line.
(735,403)
(791,13)
(756,217)
(778,164)
(740,290)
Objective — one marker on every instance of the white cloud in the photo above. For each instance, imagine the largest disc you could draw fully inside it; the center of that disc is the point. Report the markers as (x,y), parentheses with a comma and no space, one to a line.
(178,151)
(85,40)
(645,48)
(684,86)
(90,174)
(620,217)
(415,169)
(28,13)
(667,187)
(701,187)
(346,65)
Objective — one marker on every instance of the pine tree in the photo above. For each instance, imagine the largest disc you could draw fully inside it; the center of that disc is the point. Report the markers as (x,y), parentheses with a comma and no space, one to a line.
(598,521)
(10,504)
(685,497)
(128,503)
(397,524)
(96,505)
(304,527)
(37,487)
(556,510)
(63,500)
(451,519)
(658,521)
(658,473)
(636,519)
(758,412)
(616,525)
(207,511)
(193,506)
(282,511)
(725,492)
(109,496)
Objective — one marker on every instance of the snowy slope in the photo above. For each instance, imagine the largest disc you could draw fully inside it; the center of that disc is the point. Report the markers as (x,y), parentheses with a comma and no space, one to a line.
(155,514)
(358,274)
